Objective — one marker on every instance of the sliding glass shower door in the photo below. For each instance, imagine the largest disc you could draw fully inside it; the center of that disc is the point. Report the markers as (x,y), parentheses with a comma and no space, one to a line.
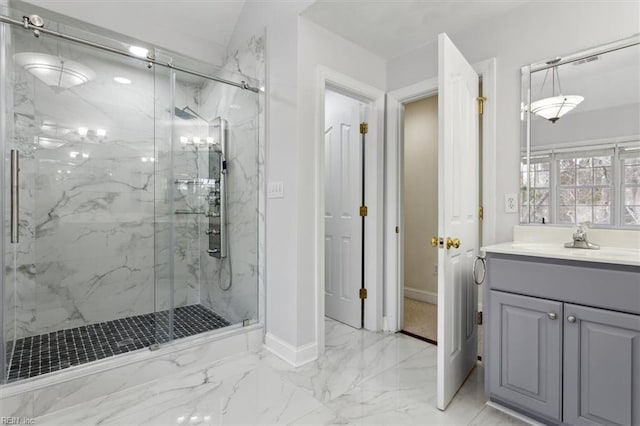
(130,199)
(79,281)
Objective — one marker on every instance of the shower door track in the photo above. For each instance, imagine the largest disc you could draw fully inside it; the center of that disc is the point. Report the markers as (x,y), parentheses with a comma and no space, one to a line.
(41,30)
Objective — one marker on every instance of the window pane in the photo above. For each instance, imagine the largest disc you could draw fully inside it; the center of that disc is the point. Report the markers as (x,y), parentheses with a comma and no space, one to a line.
(568,176)
(542,179)
(601,215)
(569,163)
(585,177)
(631,161)
(584,214)
(602,175)
(583,162)
(567,197)
(567,215)
(631,174)
(602,196)
(602,161)
(584,196)
(541,166)
(631,215)
(541,212)
(632,196)
(540,197)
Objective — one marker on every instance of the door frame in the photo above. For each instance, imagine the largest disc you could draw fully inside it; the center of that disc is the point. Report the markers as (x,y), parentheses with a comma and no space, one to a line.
(394,253)
(374,178)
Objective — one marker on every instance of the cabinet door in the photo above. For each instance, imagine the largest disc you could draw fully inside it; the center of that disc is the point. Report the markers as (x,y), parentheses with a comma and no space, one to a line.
(602,367)
(526,352)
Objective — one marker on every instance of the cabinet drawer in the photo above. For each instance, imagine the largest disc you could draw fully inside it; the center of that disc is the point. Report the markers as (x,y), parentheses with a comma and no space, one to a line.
(600,285)
(526,349)
(601,367)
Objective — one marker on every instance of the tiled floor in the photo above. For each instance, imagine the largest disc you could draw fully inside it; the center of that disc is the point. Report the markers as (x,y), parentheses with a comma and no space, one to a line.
(62,349)
(362,378)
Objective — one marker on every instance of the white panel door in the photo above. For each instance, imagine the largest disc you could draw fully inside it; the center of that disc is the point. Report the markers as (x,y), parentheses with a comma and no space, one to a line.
(458,187)
(343,193)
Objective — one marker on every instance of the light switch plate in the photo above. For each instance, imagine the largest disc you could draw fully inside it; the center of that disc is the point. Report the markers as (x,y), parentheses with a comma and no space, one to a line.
(511,203)
(275,190)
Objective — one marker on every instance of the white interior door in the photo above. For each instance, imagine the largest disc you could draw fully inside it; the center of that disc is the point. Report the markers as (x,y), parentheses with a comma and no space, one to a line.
(343,194)
(458,185)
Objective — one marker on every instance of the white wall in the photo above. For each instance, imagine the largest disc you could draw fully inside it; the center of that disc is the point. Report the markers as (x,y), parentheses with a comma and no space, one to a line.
(295,49)
(420,198)
(319,47)
(530,33)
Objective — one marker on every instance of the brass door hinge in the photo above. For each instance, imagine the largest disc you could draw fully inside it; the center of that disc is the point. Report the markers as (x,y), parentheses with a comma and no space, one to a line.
(363,211)
(481,100)
(481,213)
(363,293)
(479,318)
(364,128)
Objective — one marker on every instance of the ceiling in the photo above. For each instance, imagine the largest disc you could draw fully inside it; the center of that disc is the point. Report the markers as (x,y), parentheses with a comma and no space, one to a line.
(390,28)
(198,28)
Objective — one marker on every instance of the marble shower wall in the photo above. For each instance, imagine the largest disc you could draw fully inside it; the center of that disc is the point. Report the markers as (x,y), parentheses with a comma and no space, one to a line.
(243,110)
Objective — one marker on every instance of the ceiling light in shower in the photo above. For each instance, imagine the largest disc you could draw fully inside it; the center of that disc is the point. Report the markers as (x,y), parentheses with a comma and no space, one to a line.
(50,143)
(54,71)
(121,80)
(138,51)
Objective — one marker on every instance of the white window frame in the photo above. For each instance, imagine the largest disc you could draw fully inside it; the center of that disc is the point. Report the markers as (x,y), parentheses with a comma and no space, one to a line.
(617,151)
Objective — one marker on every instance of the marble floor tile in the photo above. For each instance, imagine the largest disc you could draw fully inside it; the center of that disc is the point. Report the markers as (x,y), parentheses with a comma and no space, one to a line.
(363,378)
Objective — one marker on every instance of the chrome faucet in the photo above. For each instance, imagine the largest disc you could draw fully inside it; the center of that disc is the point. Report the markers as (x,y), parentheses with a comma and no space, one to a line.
(580,239)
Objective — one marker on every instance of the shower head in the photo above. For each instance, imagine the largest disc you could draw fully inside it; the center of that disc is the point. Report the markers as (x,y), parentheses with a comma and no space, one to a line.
(187,113)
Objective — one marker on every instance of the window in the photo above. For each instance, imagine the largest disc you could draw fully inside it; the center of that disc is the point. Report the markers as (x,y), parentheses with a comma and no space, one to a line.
(584,188)
(630,191)
(568,187)
(534,207)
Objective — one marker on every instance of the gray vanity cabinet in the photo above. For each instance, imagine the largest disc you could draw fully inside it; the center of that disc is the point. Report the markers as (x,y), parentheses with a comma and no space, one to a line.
(527,338)
(562,343)
(601,367)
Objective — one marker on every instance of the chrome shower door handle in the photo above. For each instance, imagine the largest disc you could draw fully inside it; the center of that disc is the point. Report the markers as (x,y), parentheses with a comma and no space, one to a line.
(15,188)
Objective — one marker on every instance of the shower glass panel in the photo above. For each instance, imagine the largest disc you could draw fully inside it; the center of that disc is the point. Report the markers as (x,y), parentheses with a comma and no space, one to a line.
(82,277)
(216,197)
(131,176)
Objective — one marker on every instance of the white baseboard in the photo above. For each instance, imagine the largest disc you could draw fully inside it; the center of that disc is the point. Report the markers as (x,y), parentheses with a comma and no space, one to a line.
(421,295)
(295,356)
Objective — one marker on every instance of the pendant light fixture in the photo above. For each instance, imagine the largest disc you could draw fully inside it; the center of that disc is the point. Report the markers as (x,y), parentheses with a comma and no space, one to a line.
(556,106)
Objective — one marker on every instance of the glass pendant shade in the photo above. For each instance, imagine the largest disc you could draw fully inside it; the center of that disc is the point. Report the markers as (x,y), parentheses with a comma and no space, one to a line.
(555,107)
(53,70)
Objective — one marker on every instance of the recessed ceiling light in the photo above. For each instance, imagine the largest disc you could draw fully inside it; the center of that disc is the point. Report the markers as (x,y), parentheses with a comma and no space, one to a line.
(121,80)
(139,51)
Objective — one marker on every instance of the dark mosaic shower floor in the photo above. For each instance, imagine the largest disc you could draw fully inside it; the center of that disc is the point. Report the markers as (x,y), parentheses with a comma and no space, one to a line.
(62,349)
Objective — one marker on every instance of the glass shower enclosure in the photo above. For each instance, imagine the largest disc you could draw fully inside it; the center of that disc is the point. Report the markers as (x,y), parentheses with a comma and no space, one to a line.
(130,194)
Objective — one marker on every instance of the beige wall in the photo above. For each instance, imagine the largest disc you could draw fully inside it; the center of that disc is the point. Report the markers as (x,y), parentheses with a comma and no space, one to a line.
(420,196)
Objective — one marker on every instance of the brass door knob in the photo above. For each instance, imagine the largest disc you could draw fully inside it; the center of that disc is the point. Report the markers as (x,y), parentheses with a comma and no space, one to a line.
(434,241)
(455,243)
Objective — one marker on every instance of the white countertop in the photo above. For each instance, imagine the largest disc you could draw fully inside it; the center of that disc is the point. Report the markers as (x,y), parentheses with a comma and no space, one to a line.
(620,256)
